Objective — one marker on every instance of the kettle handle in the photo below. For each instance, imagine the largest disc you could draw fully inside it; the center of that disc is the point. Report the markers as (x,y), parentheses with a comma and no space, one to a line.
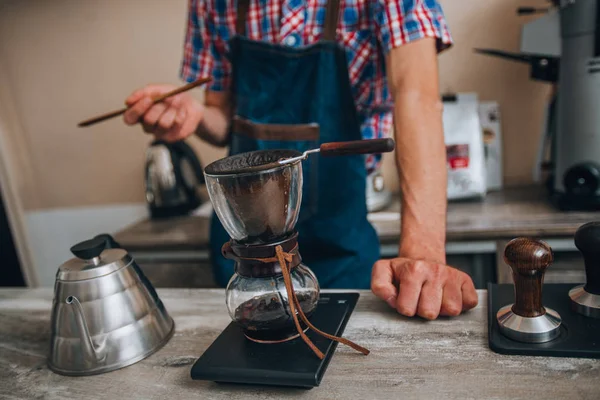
(188,153)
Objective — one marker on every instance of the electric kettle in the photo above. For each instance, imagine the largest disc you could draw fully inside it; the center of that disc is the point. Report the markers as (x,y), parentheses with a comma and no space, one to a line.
(105,313)
(173,178)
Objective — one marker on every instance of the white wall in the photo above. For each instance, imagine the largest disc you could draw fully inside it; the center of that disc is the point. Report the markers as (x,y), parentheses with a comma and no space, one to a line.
(53,232)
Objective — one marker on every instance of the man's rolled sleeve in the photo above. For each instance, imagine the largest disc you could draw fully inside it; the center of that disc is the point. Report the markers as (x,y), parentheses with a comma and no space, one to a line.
(204,48)
(402,21)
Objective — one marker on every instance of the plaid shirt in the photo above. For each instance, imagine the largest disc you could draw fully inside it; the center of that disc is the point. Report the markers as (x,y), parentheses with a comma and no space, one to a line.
(368,29)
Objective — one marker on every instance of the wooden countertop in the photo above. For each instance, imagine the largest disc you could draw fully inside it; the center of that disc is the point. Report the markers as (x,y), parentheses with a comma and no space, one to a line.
(410,358)
(523,211)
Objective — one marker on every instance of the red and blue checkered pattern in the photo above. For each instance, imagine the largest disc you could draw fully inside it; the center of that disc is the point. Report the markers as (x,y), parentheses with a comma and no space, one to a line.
(368,29)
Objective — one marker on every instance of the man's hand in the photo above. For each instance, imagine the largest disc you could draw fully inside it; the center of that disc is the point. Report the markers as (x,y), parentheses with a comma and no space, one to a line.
(171,120)
(426,289)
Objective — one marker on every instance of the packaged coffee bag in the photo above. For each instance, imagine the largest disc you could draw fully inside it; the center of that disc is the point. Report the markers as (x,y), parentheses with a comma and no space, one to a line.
(464,147)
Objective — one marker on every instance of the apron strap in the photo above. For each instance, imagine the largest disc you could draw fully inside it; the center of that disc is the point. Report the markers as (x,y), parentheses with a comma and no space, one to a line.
(242,15)
(331,20)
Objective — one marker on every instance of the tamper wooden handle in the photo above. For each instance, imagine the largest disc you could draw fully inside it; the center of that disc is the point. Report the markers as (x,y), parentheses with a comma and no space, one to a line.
(528,259)
(587,240)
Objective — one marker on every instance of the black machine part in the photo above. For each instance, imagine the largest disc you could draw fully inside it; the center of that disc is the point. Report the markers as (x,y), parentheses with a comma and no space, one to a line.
(582,179)
(538,10)
(543,68)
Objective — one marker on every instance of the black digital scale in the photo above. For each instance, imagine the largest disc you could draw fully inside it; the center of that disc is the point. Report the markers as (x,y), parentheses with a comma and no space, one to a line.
(579,336)
(232,358)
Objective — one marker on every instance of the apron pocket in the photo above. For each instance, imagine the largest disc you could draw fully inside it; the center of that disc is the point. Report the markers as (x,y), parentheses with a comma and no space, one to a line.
(249,135)
(276,132)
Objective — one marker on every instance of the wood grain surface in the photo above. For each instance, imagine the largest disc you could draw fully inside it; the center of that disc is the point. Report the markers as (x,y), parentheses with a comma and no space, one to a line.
(523,211)
(410,358)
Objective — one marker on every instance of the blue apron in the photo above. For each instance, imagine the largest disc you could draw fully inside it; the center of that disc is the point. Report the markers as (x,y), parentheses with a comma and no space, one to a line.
(298,98)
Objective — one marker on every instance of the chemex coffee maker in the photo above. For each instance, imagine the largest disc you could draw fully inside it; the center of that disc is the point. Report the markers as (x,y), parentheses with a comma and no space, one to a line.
(565,322)
(274,300)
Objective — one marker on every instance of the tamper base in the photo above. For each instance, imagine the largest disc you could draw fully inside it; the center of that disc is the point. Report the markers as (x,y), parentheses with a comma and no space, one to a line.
(530,330)
(585,303)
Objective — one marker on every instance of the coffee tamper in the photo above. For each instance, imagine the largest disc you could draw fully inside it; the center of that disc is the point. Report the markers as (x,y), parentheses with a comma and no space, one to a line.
(585,299)
(527,320)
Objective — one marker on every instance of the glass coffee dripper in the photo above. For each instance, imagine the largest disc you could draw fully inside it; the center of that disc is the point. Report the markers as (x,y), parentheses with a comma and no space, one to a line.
(259,209)
(257,197)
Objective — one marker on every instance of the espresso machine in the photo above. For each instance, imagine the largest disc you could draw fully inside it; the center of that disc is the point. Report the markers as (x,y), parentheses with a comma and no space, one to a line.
(562,48)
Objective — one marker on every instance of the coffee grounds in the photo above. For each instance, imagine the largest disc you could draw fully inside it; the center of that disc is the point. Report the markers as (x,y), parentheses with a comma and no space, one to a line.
(270,312)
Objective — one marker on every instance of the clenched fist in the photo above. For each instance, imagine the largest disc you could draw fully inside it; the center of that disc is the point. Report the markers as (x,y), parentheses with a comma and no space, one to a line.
(426,289)
(173,119)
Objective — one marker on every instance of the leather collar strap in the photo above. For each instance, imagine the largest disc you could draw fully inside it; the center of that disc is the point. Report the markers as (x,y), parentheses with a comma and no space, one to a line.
(284,259)
(331,20)
(242,15)
(329,29)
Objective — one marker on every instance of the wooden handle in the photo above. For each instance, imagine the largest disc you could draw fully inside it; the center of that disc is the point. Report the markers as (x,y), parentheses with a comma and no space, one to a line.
(367,146)
(158,99)
(587,240)
(528,259)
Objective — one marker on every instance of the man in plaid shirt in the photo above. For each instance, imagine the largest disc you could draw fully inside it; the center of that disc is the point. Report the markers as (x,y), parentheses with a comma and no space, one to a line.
(376,64)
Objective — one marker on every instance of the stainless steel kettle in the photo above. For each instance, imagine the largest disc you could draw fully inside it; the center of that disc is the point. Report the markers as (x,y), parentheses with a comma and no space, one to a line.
(105,313)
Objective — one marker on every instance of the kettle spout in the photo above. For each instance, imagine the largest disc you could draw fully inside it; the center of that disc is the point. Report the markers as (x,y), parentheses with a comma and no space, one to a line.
(91,353)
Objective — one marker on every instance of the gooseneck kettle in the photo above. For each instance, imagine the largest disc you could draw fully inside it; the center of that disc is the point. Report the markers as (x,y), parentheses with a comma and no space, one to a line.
(105,313)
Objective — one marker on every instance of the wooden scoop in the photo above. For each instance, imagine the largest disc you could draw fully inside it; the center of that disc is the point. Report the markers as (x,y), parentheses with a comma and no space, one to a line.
(158,99)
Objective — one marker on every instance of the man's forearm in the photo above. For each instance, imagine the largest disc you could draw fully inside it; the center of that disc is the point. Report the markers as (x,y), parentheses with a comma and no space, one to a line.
(421,162)
(216,116)
(214,127)
(420,149)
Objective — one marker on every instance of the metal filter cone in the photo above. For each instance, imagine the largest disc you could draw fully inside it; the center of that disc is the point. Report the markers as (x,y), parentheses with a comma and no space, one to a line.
(256,199)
